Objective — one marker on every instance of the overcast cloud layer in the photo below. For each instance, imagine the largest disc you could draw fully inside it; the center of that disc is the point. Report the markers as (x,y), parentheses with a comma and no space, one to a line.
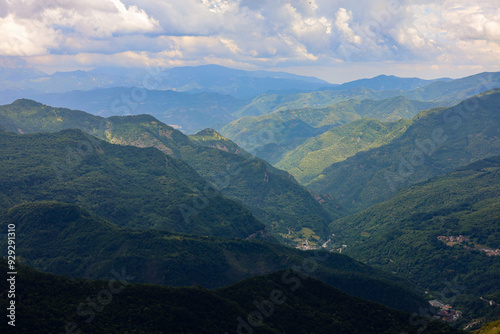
(307,36)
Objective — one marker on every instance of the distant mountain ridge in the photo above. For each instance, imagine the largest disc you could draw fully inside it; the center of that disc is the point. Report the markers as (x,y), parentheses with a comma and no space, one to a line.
(390,82)
(238,83)
(448,92)
(197,79)
(187,112)
(195,98)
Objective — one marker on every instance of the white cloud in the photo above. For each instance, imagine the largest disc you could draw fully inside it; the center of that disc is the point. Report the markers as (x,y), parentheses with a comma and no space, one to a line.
(92,22)
(32,28)
(254,32)
(492,30)
(23,37)
(342,23)
(217,6)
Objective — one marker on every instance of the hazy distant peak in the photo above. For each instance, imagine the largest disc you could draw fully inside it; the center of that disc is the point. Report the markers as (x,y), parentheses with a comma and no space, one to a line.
(13,62)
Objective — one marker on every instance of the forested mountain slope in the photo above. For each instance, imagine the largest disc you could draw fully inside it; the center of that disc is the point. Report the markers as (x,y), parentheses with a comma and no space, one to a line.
(443,230)
(122,307)
(272,195)
(130,186)
(65,239)
(438,141)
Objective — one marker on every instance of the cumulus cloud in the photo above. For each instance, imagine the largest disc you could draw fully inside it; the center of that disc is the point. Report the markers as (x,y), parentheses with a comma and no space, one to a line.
(101,22)
(36,27)
(23,37)
(342,23)
(253,33)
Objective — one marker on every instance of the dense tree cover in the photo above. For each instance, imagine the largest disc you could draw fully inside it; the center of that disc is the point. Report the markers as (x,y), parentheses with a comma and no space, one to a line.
(271,195)
(309,159)
(438,141)
(121,184)
(270,103)
(401,235)
(27,116)
(133,187)
(285,132)
(64,239)
(265,304)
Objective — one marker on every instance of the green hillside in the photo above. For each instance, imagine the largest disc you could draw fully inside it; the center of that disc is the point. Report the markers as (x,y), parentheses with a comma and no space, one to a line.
(268,103)
(401,235)
(64,239)
(27,116)
(456,90)
(133,187)
(308,160)
(491,328)
(210,138)
(280,128)
(267,304)
(438,141)
(272,195)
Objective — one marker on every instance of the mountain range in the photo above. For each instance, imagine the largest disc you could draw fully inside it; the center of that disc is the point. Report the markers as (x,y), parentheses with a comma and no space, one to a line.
(272,195)
(438,141)
(195,98)
(273,135)
(310,158)
(372,198)
(137,188)
(205,78)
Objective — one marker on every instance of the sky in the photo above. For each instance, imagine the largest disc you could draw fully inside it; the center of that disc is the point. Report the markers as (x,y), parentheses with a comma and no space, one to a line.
(335,40)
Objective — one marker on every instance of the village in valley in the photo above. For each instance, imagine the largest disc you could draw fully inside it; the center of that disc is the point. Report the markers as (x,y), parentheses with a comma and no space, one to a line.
(467,244)
(445,312)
